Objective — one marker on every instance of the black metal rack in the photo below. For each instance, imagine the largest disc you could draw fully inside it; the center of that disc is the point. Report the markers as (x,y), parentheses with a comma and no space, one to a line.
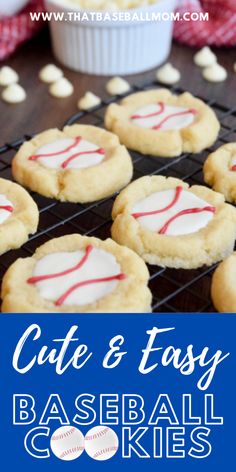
(173,290)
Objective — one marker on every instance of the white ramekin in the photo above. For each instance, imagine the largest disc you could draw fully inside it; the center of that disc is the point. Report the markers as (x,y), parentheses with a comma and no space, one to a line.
(109,48)
(11,7)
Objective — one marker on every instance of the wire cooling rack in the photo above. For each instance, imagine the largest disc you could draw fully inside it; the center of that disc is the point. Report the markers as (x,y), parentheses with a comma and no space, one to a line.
(173,290)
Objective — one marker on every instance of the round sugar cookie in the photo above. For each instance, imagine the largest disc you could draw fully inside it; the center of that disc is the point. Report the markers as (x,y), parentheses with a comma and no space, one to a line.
(79,164)
(19,216)
(158,123)
(77,273)
(223,288)
(220,171)
(171,224)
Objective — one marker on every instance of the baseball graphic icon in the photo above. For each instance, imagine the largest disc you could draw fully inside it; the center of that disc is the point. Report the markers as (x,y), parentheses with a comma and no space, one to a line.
(101,443)
(67,443)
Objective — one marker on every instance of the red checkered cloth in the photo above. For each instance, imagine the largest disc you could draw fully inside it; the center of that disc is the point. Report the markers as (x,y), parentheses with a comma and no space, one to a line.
(220,30)
(17,29)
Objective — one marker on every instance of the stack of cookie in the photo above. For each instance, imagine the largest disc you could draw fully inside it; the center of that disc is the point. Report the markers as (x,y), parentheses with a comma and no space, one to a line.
(157,220)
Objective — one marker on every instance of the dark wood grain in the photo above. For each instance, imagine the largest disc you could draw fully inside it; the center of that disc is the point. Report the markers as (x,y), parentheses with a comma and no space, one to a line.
(41,111)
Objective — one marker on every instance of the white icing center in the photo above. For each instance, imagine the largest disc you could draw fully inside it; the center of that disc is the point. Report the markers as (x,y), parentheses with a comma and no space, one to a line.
(185,224)
(165,117)
(86,154)
(233,161)
(99,264)
(4,213)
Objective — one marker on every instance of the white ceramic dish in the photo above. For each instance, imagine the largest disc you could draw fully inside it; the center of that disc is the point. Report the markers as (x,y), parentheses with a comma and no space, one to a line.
(11,7)
(109,48)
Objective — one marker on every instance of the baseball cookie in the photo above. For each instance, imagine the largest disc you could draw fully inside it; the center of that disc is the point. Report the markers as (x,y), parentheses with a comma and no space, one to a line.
(223,289)
(78,164)
(77,274)
(158,123)
(18,216)
(220,171)
(171,224)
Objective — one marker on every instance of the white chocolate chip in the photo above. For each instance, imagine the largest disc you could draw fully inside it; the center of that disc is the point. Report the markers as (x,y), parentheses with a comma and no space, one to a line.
(8,76)
(61,88)
(215,73)
(14,93)
(205,57)
(117,86)
(50,73)
(168,74)
(89,100)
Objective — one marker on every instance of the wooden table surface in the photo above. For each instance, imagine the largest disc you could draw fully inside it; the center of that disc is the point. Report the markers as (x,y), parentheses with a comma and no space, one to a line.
(41,111)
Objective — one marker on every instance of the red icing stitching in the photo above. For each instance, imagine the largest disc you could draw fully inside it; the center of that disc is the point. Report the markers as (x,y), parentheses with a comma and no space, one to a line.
(34,280)
(164,228)
(176,198)
(37,156)
(7,208)
(60,301)
(159,112)
(150,115)
(178,192)
(96,151)
(71,158)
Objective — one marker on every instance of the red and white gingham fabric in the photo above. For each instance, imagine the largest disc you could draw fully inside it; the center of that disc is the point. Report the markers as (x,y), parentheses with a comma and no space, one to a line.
(220,30)
(17,29)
